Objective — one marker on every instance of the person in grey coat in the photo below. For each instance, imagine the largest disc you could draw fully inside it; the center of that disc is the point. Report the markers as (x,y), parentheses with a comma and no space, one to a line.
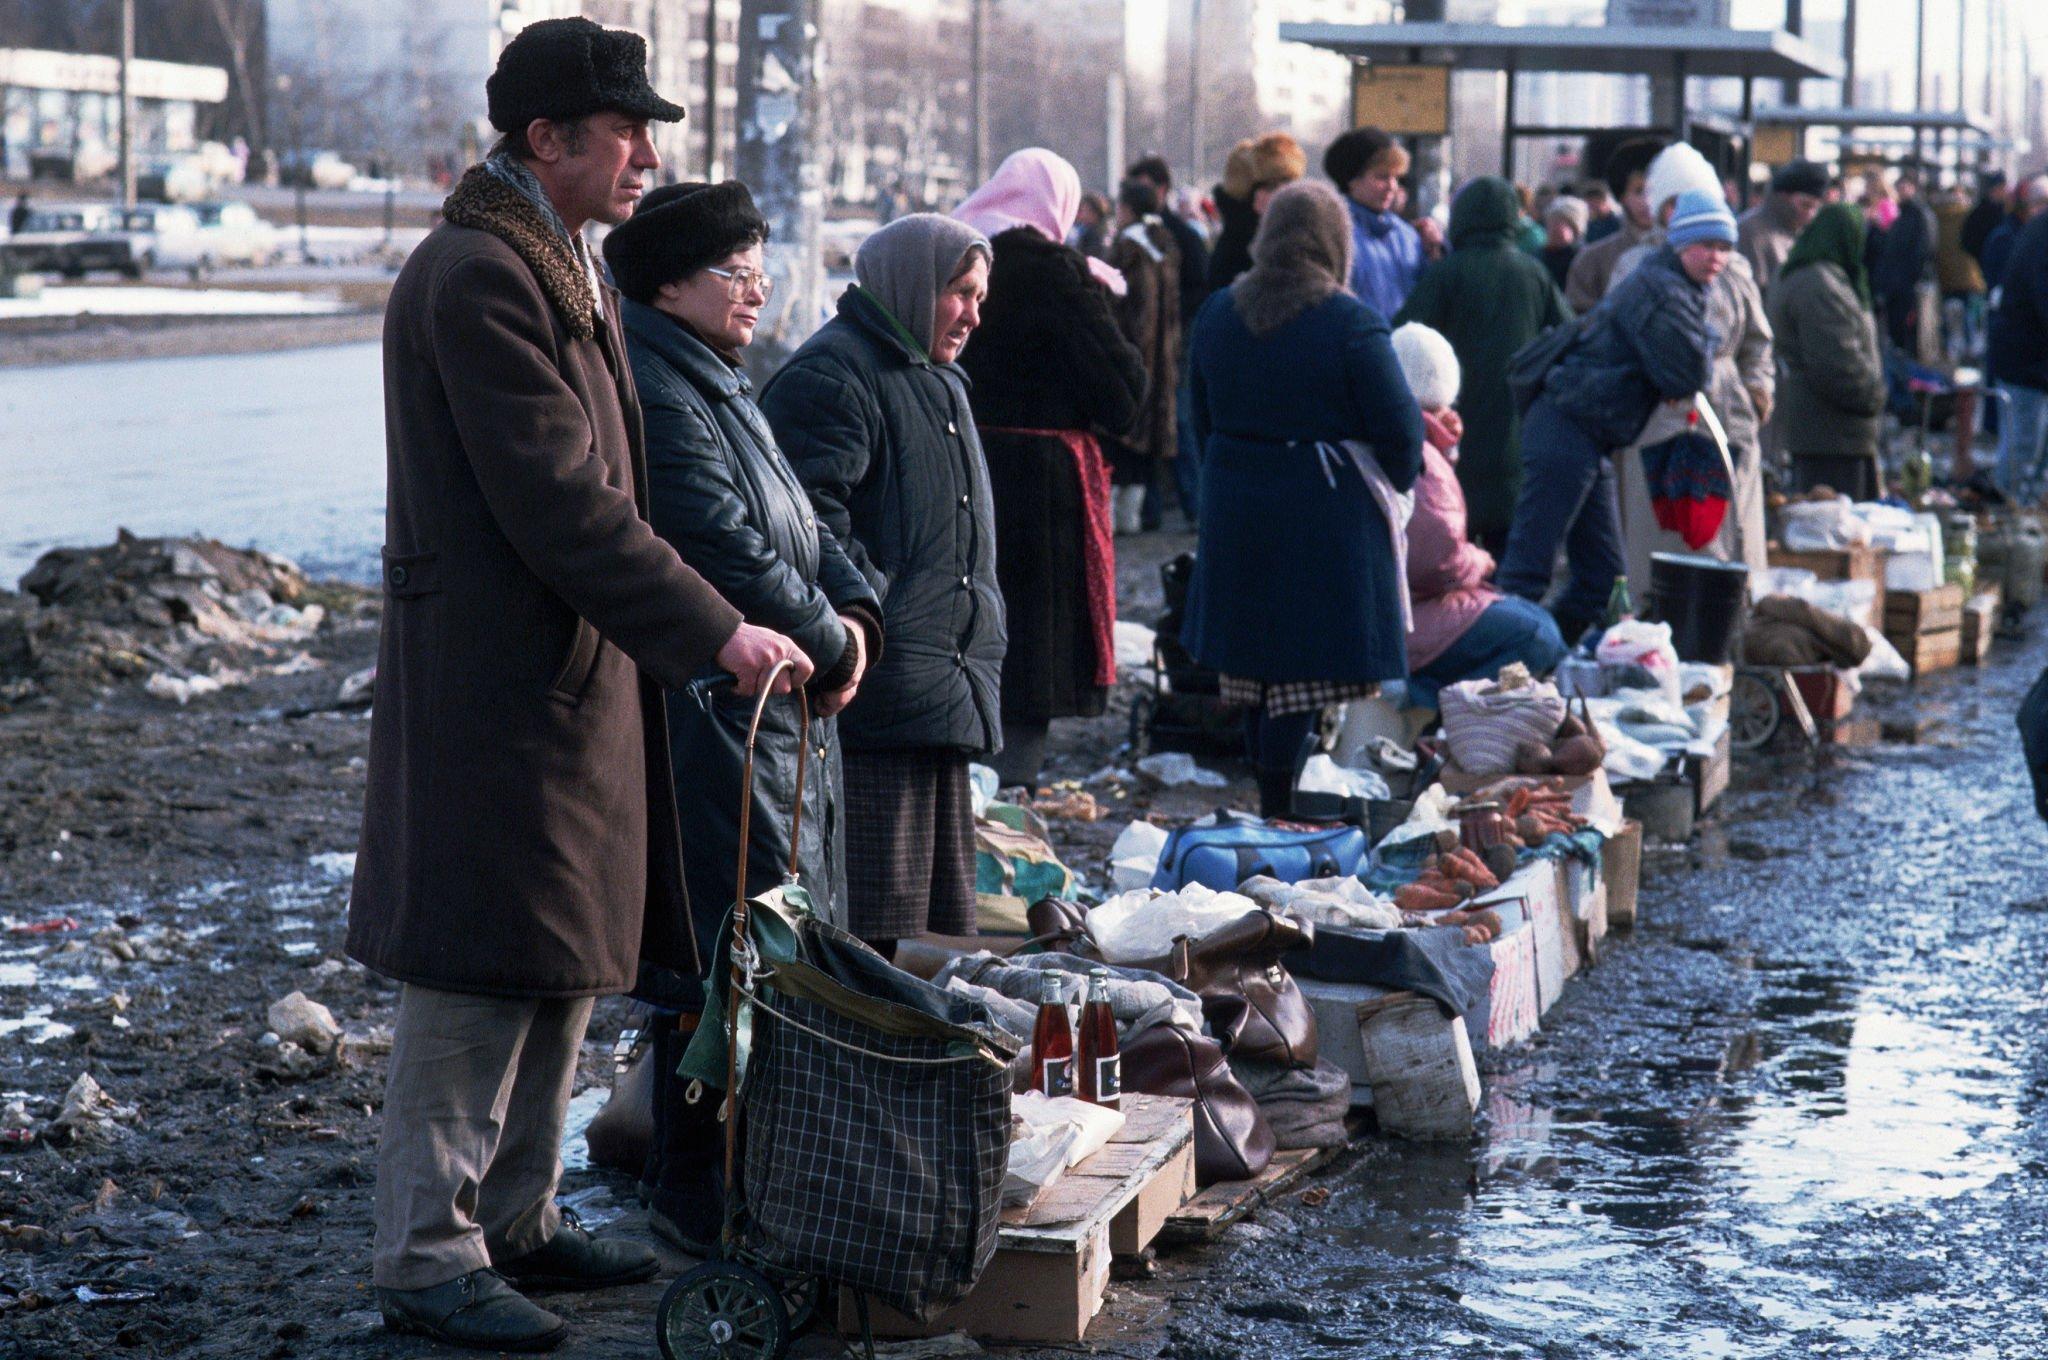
(690,266)
(873,414)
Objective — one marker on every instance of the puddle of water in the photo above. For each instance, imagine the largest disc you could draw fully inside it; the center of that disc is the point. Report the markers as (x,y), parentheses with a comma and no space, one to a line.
(1904,1111)
(582,1109)
(35,1026)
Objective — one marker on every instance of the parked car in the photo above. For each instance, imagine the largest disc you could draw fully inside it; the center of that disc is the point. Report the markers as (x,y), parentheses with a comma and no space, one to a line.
(232,233)
(160,236)
(67,239)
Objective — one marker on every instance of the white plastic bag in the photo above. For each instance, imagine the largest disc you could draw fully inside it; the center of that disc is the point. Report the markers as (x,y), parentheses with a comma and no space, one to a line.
(1174,768)
(1135,856)
(1049,1135)
(1884,661)
(1430,814)
(1143,924)
(1324,775)
(1647,645)
(1819,526)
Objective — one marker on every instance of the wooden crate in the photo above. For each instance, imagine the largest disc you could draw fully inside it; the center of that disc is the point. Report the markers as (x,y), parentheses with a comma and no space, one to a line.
(1930,652)
(1908,613)
(1621,864)
(1709,774)
(1980,621)
(1052,1258)
(1860,562)
(1210,1213)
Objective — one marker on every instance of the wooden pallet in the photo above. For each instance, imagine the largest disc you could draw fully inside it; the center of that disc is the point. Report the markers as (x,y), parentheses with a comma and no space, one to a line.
(1207,1216)
(1052,1258)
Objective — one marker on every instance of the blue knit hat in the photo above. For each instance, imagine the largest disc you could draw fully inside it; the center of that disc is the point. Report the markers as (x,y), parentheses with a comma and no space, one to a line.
(1699,216)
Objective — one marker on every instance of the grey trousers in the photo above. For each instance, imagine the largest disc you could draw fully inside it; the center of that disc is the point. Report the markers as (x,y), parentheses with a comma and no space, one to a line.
(474,1104)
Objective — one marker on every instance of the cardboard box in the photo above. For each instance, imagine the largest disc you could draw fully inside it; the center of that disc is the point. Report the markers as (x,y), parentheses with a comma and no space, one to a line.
(1621,864)
(1709,773)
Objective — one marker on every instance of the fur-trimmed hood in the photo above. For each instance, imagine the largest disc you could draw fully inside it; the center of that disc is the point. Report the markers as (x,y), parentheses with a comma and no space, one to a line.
(487,203)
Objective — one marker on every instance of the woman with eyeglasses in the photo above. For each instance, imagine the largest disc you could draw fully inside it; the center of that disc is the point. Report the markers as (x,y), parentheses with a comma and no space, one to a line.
(690,266)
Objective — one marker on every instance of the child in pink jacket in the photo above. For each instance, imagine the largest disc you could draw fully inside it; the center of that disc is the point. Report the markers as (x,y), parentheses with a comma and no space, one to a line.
(1464,629)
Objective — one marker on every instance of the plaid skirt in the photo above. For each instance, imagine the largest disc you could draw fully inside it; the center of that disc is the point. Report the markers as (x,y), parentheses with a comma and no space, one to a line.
(1281,697)
(909,844)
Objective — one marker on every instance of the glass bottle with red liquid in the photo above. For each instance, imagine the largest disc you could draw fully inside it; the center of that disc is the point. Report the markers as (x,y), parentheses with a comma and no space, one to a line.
(1052,1041)
(1099,1080)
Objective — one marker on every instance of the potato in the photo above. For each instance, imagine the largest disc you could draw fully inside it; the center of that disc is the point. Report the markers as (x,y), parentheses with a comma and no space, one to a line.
(1532,757)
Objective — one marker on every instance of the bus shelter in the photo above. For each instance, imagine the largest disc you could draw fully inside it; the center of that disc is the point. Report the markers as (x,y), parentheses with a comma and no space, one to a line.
(1677,54)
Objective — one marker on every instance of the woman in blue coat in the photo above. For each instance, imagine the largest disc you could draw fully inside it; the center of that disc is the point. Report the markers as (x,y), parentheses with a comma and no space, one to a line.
(1296,598)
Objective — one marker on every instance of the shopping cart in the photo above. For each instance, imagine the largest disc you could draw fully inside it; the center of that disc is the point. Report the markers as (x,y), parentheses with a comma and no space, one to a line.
(776,1013)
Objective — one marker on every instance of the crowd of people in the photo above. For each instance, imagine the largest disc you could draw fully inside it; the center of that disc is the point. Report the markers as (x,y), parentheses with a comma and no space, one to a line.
(605,543)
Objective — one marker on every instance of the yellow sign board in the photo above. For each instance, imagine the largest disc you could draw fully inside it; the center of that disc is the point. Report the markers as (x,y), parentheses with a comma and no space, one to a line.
(1406,100)
(1777,143)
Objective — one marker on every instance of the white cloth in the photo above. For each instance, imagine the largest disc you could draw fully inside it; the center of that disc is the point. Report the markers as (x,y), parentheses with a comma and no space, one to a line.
(1398,507)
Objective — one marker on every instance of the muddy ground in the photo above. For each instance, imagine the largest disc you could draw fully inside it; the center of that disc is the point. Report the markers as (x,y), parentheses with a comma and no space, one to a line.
(1798,1113)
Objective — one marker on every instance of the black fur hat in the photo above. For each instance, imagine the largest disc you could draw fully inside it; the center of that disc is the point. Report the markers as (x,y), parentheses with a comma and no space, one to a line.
(677,230)
(566,68)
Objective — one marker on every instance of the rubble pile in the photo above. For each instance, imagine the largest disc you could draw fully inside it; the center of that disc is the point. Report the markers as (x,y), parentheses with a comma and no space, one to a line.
(188,616)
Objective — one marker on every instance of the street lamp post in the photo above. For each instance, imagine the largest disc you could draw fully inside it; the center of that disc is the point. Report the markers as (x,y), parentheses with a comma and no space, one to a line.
(299,169)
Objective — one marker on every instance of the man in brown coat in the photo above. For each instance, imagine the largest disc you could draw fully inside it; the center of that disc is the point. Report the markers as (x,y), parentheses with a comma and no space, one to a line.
(519,854)
(1148,314)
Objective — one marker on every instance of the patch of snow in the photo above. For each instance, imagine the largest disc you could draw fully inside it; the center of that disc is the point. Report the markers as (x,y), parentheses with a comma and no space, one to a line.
(102,300)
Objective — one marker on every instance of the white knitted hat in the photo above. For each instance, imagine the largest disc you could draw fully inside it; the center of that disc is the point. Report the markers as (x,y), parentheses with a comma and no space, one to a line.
(1430,365)
(1679,167)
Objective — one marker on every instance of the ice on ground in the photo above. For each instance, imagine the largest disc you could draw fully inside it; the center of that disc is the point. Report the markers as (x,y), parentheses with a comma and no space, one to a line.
(334,863)
(102,300)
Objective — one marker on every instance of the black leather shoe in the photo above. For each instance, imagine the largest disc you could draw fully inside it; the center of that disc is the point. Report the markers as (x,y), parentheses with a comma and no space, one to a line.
(573,1259)
(478,1310)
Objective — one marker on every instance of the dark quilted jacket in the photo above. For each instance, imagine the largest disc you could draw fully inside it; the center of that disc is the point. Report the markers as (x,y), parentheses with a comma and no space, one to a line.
(722,493)
(1648,341)
(884,440)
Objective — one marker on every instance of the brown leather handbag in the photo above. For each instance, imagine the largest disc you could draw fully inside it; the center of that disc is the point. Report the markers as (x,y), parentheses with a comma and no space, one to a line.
(1233,1142)
(1250,1000)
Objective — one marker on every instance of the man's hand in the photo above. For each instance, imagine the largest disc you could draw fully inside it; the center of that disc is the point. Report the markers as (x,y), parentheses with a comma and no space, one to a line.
(750,653)
(1761,400)
(838,699)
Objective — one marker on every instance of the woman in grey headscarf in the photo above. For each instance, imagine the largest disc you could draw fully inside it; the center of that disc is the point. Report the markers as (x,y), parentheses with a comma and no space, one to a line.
(872,413)
(1296,596)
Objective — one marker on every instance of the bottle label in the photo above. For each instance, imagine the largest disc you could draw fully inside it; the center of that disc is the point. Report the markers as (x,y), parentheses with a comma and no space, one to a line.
(1056,1077)
(1109,1084)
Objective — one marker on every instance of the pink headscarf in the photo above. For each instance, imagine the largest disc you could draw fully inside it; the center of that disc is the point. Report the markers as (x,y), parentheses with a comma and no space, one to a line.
(1038,189)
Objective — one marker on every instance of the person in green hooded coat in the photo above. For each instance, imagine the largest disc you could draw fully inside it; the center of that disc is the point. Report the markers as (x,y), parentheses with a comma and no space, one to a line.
(1831,376)
(1490,298)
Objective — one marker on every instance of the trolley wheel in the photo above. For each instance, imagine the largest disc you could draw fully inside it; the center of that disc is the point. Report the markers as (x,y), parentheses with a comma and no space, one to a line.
(722,1310)
(1754,711)
(800,1300)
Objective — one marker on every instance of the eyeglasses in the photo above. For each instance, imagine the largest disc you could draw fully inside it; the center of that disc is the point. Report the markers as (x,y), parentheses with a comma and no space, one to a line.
(744,281)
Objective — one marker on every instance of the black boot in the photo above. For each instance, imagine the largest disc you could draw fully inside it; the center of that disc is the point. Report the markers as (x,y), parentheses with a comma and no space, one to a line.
(683,1184)
(1276,793)
(478,1310)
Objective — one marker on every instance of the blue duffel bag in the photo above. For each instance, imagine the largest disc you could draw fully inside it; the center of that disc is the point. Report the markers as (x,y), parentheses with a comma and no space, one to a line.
(1225,848)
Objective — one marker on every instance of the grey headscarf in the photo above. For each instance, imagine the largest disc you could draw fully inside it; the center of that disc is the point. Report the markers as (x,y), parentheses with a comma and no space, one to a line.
(908,263)
(1301,255)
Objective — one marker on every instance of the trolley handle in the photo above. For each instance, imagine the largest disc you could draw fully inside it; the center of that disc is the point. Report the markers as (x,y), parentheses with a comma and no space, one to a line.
(803,750)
